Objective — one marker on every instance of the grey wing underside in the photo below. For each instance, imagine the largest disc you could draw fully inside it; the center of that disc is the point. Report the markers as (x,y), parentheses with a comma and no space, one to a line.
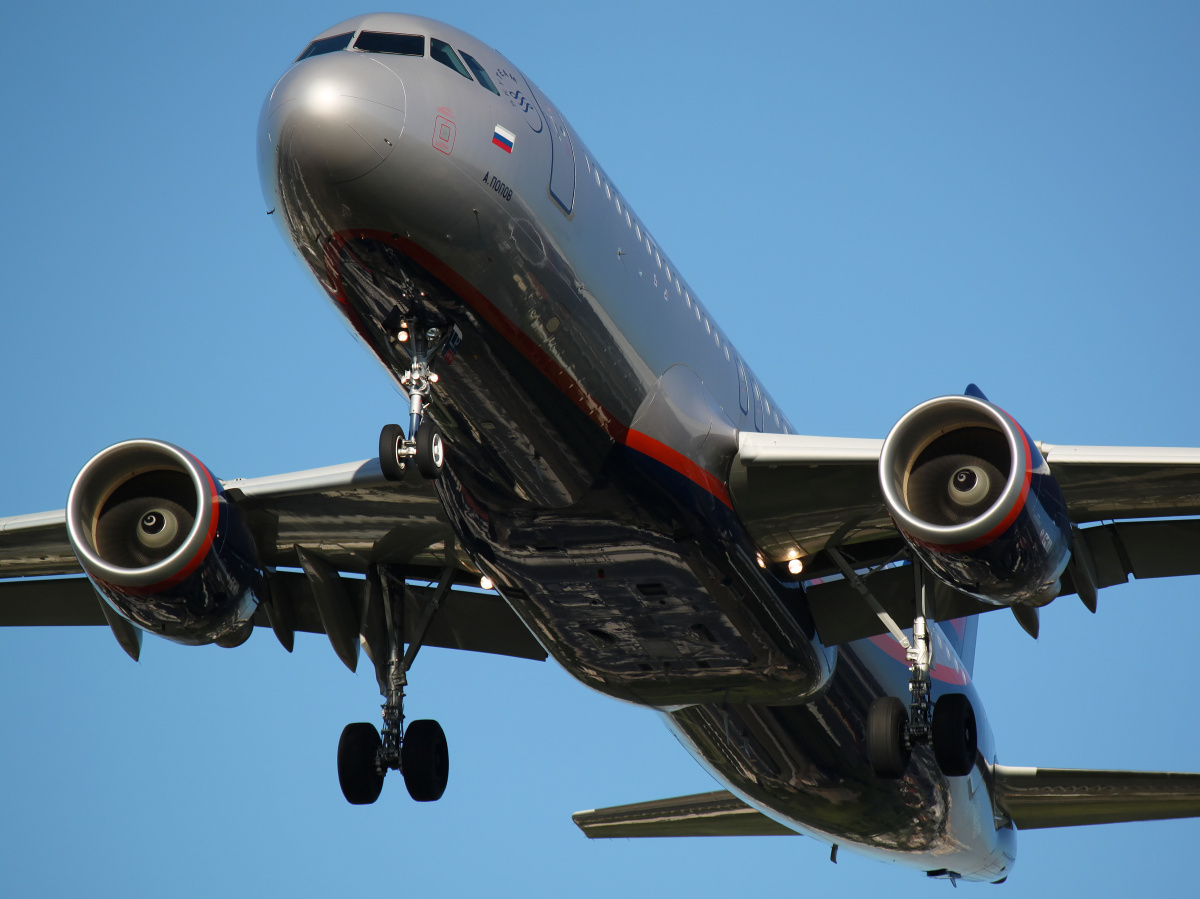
(1031,797)
(346,516)
(800,495)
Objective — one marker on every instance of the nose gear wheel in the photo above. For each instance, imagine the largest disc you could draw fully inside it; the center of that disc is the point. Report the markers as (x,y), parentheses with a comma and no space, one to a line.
(424,445)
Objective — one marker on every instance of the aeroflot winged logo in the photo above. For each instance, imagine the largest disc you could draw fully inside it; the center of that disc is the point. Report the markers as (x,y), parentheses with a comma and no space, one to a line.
(503,138)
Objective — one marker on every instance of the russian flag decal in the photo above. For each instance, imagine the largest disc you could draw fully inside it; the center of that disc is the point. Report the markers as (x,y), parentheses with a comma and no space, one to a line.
(503,138)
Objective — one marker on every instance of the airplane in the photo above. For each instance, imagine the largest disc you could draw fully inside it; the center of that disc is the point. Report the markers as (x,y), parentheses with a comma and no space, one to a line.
(693,539)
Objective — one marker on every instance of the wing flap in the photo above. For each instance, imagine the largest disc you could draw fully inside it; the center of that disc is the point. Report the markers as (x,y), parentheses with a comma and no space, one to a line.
(477,622)
(1065,797)
(716,814)
(63,601)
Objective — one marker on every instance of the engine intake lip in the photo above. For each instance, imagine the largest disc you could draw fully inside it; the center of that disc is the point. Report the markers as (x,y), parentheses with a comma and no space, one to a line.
(915,431)
(103,475)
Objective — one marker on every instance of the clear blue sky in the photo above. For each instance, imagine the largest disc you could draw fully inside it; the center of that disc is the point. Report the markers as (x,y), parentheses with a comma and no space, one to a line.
(880,202)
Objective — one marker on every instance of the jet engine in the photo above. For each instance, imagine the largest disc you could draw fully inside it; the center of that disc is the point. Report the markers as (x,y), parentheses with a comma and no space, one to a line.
(162,544)
(973,497)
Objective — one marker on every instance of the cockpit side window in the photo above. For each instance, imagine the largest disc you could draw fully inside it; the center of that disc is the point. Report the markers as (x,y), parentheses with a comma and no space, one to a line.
(326,45)
(480,73)
(398,44)
(444,53)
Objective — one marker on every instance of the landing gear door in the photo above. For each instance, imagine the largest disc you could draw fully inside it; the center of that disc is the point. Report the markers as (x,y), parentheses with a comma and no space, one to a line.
(562,160)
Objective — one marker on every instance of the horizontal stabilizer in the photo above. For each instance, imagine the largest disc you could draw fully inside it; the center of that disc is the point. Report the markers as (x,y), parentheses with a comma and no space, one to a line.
(716,814)
(1063,797)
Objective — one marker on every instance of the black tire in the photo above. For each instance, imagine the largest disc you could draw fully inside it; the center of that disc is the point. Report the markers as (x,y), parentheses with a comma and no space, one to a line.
(887,722)
(425,760)
(357,750)
(431,450)
(391,438)
(954,735)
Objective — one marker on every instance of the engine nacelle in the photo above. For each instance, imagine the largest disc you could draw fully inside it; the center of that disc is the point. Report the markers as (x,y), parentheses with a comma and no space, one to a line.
(162,545)
(973,497)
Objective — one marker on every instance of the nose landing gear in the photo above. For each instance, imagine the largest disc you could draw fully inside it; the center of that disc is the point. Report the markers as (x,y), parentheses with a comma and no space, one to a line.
(424,445)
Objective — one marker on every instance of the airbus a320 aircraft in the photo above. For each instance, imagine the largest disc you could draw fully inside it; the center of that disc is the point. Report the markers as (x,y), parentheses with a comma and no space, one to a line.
(582,436)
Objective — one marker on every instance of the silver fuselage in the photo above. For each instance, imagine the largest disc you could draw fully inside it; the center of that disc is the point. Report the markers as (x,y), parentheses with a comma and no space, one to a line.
(591,413)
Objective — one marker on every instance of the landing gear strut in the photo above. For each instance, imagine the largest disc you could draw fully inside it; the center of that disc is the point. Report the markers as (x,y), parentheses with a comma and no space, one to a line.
(423,445)
(419,752)
(949,725)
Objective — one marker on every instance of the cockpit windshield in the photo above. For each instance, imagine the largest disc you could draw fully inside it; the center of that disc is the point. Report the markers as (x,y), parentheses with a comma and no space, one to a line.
(326,45)
(444,53)
(383,42)
(480,73)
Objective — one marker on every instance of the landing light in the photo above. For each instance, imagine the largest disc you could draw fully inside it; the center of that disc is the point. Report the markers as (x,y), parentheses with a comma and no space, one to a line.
(485,583)
(795,566)
(402,336)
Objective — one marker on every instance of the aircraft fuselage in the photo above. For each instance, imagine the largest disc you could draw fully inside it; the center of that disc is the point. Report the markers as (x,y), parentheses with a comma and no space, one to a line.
(591,410)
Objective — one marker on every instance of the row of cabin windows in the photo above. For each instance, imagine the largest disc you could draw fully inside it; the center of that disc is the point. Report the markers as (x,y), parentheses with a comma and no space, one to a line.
(402,45)
(630,222)
(762,405)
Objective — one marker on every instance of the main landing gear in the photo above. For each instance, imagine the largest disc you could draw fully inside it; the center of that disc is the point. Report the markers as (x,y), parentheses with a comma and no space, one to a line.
(424,446)
(419,752)
(949,725)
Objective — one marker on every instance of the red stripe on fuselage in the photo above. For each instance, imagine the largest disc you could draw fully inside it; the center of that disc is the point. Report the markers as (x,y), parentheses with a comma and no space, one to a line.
(543,361)
(660,452)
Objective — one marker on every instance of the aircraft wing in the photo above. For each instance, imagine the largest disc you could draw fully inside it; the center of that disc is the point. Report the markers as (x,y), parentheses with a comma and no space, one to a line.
(803,494)
(345,517)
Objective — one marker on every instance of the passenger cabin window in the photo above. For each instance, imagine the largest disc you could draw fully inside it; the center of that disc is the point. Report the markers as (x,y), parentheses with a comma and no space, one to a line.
(480,74)
(397,44)
(326,45)
(444,53)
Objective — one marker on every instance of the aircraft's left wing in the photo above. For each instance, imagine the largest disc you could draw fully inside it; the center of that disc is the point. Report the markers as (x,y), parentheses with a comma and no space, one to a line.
(799,495)
(342,519)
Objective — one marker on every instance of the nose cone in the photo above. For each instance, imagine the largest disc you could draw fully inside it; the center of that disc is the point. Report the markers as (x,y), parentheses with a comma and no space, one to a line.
(330,119)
